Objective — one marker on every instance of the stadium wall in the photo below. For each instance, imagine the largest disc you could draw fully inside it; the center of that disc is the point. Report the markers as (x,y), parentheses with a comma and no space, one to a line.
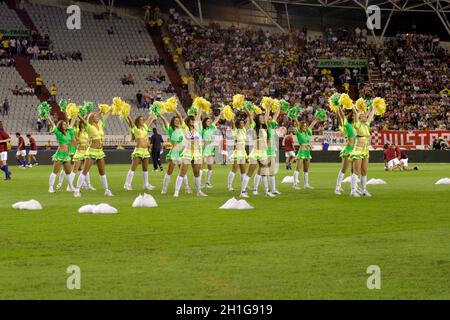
(124,156)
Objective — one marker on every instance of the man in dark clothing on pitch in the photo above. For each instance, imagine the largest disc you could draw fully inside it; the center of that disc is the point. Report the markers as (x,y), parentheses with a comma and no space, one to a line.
(156,144)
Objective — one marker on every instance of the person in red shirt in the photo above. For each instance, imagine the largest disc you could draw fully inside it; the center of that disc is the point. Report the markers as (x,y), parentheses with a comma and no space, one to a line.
(289,150)
(391,160)
(33,151)
(4,139)
(21,152)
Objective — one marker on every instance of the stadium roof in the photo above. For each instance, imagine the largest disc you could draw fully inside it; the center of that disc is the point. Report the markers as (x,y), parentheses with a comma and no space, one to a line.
(396,5)
(438,7)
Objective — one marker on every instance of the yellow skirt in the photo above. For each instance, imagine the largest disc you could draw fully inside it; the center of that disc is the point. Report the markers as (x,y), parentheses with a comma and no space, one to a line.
(80,155)
(96,154)
(140,153)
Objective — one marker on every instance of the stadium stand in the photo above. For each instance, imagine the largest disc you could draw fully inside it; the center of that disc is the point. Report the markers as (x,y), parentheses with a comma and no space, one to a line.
(8,17)
(104,47)
(224,60)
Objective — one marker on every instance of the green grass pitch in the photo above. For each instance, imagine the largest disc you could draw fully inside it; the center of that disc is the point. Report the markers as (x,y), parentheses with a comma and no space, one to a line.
(307,244)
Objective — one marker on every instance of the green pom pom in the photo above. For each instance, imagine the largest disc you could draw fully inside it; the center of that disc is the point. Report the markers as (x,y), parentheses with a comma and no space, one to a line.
(44,111)
(192,111)
(82,111)
(155,109)
(249,106)
(369,104)
(335,99)
(89,106)
(320,114)
(293,112)
(63,105)
(284,106)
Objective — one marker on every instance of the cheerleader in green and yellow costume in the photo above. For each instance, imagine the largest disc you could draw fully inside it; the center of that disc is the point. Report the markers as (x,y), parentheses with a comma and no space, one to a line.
(272,147)
(82,139)
(239,157)
(72,151)
(192,152)
(175,130)
(94,126)
(360,152)
(258,156)
(346,127)
(61,159)
(303,134)
(139,132)
(209,150)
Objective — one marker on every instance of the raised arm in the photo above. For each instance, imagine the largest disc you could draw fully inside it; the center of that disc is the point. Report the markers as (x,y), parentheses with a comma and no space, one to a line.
(179,116)
(313,123)
(217,119)
(370,116)
(83,120)
(129,121)
(106,115)
(165,122)
(276,115)
(198,118)
(150,120)
(51,121)
(341,116)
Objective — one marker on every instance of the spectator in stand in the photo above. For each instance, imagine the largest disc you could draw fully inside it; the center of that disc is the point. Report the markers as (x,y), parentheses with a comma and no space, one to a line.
(5,108)
(39,84)
(53,92)
(139,99)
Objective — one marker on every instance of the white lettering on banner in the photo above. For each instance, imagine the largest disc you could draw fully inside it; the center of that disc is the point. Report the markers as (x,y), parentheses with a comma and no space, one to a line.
(410,138)
(422,138)
(416,139)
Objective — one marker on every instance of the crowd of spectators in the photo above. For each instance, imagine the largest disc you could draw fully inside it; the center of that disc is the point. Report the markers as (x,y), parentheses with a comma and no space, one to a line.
(23,91)
(225,60)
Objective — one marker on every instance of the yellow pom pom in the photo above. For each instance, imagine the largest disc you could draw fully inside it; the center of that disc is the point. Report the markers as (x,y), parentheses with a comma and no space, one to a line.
(346,101)
(228,113)
(125,111)
(170,105)
(202,103)
(333,107)
(238,101)
(257,110)
(104,108)
(361,105)
(275,105)
(266,103)
(117,106)
(380,106)
(72,111)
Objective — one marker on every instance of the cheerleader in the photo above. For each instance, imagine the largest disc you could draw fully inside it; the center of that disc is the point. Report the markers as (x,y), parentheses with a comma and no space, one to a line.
(175,131)
(272,155)
(72,151)
(239,156)
(360,153)
(94,125)
(258,156)
(139,132)
(192,152)
(79,157)
(346,127)
(209,150)
(64,135)
(303,133)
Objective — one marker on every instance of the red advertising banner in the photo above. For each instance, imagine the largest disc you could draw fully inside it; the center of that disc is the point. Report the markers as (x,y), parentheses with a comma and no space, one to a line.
(419,139)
